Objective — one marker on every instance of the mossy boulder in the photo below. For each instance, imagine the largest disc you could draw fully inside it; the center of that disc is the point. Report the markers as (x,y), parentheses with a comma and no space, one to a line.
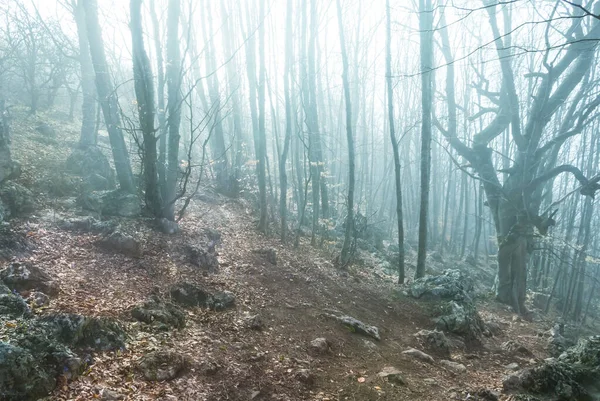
(25,276)
(163,365)
(111,203)
(93,166)
(23,376)
(17,200)
(12,306)
(159,313)
(574,376)
(41,350)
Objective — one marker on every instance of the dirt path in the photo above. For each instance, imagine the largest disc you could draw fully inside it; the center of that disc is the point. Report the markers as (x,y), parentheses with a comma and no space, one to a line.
(291,298)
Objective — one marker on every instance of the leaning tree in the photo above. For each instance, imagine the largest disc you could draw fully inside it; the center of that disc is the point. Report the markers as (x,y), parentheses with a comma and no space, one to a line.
(515,194)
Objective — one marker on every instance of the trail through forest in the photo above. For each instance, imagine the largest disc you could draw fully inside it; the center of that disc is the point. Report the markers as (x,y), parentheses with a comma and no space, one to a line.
(279,339)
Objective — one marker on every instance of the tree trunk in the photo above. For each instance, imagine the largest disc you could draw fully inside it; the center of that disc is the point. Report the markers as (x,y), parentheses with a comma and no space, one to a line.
(426,27)
(108,99)
(283,180)
(88,107)
(346,247)
(262,134)
(173,72)
(162,121)
(144,91)
(394,142)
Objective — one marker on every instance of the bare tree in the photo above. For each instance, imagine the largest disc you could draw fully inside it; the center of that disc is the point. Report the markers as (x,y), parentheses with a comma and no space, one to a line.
(107,97)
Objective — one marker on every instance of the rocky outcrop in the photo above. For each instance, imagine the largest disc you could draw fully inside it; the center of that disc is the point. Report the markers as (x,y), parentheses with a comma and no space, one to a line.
(450,285)
(24,276)
(434,341)
(111,203)
(121,243)
(571,377)
(193,295)
(269,254)
(462,319)
(93,167)
(43,349)
(456,313)
(161,314)
(88,225)
(355,325)
(16,200)
(12,306)
(203,256)
(163,365)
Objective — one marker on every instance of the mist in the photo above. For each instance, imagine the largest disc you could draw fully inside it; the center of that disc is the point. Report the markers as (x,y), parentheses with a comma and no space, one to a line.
(422,173)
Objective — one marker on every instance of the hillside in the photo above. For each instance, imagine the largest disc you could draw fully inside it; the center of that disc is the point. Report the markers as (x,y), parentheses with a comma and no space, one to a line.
(265,346)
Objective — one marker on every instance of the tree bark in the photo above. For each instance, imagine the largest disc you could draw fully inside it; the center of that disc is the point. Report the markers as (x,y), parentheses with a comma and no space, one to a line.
(426,27)
(173,73)
(108,99)
(394,142)
(144,91)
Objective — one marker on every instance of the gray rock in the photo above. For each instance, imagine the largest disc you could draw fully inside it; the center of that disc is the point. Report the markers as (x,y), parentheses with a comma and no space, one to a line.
(189,294)
(450,285)
(512,367)
(13,306)
(254,322)
(88,225)
(515,348)
(420,355)
(392,375)
(41,349)
(305,376)
(573,376)
(22,378)
(434,341)
(268,253)
(110,395)
(111,203)
(462,319)
(221,300)
(203,256)
(93,166)
(356,326)
(38,299)
(17,200)
(319,346)
(24,276)
(121,243)
(163,365)
(454,366)
(160,314)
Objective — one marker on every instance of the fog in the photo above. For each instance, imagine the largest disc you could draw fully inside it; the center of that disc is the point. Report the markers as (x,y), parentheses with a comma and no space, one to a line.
(462,129)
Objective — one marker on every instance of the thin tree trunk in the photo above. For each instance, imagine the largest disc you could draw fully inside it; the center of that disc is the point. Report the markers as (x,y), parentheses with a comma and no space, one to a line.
(346,247)
(88,107)
(144,91)
(262,134)
(394,143)
(173,72)
(288,122)
(426,27)
(108,99)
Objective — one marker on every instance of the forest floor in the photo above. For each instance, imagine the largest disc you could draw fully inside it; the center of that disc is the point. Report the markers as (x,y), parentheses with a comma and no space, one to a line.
(291,297)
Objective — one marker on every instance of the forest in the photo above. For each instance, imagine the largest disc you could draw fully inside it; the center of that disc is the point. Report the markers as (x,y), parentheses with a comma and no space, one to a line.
(299,199)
